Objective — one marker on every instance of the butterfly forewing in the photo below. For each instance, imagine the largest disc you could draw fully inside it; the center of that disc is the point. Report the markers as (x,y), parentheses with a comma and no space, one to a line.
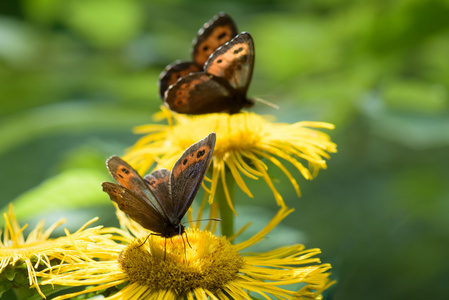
(134,206)
(126,176)
(188,173)
(215,33)
(234,61)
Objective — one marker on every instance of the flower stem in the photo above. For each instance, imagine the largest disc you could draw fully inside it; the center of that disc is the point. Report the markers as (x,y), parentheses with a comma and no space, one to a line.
(226,214)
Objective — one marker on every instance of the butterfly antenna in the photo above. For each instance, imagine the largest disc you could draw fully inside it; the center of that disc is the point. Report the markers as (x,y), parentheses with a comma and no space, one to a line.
(185,251)
(213,219)
(266,102)
(188,241)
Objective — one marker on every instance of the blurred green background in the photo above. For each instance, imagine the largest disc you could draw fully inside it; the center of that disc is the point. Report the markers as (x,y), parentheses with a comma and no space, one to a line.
(76,76)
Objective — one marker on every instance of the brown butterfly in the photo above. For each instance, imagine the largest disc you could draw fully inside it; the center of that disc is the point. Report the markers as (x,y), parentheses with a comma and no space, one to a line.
(221,86)
(215,33)
(160,200)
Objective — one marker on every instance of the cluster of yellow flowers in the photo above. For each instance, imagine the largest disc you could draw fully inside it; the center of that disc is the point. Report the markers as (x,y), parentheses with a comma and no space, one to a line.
(127,264)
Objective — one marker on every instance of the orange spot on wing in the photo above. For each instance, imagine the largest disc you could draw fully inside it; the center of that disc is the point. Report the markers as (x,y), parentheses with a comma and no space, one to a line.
(155,182)
(124,175)
(219,36)
(193,158)
(180,101)
(229,63)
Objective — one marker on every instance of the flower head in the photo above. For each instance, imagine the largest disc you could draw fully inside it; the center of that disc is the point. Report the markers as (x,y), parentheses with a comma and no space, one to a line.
(38,251)
(244,141)
(201,266)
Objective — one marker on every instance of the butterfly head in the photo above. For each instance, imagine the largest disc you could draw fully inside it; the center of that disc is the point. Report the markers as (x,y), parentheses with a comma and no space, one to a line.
(172,230)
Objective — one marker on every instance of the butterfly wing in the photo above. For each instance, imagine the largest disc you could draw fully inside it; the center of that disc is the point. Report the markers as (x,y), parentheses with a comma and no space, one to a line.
(200,93)
(215,33)
(135,207)
(234,61)
(187,175)
(158,182)
(173,72)
(127,177)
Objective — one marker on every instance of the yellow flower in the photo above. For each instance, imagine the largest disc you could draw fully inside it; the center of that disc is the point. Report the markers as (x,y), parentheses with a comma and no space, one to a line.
(244,140)
(199,266)
(39,251)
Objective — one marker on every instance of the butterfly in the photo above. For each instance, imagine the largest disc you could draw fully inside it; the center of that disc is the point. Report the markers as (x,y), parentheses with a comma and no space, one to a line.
(215,33)
(159,200)
(221,86)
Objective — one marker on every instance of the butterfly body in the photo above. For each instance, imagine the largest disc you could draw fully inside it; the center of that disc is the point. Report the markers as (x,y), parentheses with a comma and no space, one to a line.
(221,86)
(160,200)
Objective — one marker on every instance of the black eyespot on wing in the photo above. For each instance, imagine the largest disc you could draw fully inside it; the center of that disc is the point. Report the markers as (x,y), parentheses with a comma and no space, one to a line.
(222,35)
(238,50)
(200,153)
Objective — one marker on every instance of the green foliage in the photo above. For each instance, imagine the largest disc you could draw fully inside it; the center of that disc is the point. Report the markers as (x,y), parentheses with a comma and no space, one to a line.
(77,76)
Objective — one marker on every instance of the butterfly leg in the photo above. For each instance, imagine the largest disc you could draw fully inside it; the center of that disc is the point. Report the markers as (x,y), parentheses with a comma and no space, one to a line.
(165,248)
(144,241)
(187,242)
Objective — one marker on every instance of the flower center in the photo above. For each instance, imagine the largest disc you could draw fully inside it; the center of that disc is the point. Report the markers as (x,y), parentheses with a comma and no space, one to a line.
(172,264)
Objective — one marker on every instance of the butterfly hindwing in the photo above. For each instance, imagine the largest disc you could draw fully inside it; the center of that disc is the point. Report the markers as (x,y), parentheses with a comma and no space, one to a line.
(173,72)
(199,93)
(134,206)
(215,33)
(127,177)
(158,182)
(234,61)
(188,173)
